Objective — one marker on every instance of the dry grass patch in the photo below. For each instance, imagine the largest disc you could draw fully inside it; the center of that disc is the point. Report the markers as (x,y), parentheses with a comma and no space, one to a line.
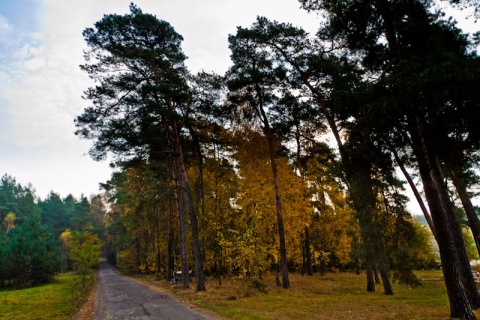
(332,296)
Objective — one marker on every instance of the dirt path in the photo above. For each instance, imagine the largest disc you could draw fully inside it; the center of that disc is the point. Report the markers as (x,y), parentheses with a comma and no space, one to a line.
(119,297)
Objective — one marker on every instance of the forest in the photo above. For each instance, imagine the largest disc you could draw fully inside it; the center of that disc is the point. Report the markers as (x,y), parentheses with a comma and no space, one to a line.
(296,160)
(41,238)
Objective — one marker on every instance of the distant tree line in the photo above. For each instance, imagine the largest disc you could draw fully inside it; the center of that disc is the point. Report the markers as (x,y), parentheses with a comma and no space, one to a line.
(30,247)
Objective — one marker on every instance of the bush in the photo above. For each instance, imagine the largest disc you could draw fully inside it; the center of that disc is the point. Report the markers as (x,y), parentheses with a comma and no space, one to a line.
(84,249)
(259,286)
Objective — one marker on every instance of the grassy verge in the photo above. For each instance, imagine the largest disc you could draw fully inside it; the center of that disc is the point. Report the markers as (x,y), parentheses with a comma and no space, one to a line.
(333,296)
(57,300)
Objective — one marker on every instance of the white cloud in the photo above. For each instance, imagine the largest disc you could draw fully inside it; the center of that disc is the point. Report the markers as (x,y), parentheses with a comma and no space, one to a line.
(43,85)
(5,26)
(42,96)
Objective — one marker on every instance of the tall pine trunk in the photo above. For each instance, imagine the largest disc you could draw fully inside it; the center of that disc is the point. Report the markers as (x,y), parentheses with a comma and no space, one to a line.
(170,258)
(358,171)
(278,200)
(414,189)
(183,238)
(356,186)
(461,289)
(200,197)
(281,229)
(385,275)
(461,187)
(183,180)
(308,253)
(370,275)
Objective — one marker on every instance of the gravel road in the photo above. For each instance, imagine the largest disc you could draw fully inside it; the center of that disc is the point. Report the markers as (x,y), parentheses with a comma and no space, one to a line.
(119,297)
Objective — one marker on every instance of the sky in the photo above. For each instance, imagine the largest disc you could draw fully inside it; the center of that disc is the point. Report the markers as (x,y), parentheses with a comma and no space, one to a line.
(41,84)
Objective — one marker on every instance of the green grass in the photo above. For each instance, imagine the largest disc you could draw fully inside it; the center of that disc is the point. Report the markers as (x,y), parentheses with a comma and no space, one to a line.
(57,300)
(335,296)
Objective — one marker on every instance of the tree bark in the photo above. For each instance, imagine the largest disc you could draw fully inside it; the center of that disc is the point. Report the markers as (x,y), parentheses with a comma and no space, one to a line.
(414,190)
(170,259)
(200,191)
(218,210)
(281,229)
(358,167)
(183,238)
(355,191)
(308,253)
(197,252)
(355,183)
(385,274)
(278,200)
(375,274)
(462,293)
(473,221)
(370,278)
(183,180)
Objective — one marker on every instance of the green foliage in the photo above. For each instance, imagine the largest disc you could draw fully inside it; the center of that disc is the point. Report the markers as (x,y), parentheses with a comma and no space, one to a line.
(137,62)
(61,214)
(84,251)
(470,244)
(29,255)
(78,213)
(54,212)
(140,96)
(16,199)
(28,250)
(413,251)
(370,74)
(259,286)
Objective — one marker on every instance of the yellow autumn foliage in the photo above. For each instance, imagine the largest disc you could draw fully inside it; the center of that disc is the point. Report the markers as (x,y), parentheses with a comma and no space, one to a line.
(257,206)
